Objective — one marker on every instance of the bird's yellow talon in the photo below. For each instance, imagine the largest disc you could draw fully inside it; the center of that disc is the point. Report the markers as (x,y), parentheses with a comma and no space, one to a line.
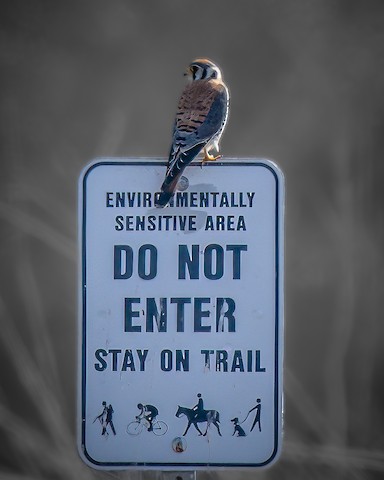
(210,158)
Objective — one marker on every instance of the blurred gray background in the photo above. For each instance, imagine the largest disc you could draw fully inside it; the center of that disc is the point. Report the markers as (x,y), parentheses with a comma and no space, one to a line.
(88,78)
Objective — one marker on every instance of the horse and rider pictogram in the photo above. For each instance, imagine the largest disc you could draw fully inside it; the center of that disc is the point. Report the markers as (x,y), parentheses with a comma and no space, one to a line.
(198,414)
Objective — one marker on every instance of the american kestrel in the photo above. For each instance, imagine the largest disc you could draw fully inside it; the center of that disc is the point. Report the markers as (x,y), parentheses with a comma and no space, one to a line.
(200,120)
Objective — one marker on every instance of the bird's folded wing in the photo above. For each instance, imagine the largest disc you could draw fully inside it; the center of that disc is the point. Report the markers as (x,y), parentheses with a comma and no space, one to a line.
(201,114)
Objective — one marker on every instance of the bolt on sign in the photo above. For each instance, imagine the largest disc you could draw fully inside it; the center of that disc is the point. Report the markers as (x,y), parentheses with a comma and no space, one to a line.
(181,318)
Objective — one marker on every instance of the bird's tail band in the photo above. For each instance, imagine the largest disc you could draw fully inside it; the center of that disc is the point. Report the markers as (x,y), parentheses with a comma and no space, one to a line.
(163,199)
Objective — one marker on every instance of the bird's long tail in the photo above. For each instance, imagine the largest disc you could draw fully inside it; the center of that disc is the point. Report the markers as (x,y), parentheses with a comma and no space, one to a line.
(167,192)
(173,175)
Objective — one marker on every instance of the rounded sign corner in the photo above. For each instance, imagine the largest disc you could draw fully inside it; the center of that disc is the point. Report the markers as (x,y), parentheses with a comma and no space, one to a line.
(92,165)
(87,458)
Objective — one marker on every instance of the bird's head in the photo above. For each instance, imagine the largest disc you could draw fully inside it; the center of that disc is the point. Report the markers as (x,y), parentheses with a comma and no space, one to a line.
(203,69)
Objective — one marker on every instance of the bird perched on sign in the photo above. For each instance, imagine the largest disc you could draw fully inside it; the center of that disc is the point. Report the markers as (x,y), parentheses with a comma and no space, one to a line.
(200,120)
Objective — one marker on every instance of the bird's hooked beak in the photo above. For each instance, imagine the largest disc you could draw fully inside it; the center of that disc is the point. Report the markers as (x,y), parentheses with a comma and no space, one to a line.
(189,74)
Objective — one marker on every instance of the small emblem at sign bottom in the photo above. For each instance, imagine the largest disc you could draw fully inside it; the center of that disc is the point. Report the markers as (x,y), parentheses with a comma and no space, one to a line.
(179,445)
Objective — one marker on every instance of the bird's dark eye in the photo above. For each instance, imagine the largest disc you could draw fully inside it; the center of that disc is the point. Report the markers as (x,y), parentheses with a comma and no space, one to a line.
(214,74)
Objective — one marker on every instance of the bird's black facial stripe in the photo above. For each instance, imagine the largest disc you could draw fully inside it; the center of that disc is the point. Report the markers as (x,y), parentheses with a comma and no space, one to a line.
(203,71)
(194,70)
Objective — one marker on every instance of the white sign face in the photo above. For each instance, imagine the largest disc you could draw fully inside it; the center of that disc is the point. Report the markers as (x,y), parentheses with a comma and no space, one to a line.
(181,316)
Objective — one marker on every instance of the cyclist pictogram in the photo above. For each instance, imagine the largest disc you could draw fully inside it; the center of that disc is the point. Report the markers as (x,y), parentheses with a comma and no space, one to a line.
(147,421)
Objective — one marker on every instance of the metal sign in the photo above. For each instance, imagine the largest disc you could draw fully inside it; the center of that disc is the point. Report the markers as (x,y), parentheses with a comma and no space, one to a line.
(181,315)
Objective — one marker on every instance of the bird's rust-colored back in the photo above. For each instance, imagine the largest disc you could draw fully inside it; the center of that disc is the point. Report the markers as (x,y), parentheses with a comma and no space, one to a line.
(195,103)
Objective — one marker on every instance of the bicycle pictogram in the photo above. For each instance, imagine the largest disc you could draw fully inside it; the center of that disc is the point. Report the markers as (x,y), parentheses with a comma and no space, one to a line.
(136,427)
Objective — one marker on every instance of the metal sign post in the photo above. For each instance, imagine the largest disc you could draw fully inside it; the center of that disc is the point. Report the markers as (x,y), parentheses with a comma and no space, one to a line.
(175,475)
(181,318)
